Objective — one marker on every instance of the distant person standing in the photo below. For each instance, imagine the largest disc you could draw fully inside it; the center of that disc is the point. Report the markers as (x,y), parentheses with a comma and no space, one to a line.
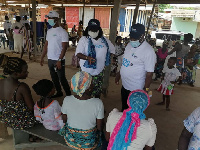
(55,47)
(25,20)
(18,37)
(137,65)
(7,26)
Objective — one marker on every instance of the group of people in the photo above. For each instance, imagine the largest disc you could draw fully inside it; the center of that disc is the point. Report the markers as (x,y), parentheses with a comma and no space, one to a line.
(80,119)
(19,35)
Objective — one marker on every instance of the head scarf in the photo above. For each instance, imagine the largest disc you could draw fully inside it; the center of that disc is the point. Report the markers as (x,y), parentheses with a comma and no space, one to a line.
(80,82)
(126,128)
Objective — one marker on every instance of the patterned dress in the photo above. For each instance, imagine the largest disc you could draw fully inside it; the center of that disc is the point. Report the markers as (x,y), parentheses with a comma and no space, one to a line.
(15,114)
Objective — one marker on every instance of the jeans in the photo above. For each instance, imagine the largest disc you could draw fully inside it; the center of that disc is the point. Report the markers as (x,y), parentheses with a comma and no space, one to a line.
(58,76)
(11,44)
(124,95)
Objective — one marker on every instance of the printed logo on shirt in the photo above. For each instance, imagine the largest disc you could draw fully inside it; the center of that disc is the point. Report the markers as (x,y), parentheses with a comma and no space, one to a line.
(126,62)
(134,55)
(54,34)
(99,46)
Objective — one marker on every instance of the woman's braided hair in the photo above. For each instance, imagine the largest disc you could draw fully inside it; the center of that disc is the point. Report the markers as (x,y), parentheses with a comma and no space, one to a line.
(14,64)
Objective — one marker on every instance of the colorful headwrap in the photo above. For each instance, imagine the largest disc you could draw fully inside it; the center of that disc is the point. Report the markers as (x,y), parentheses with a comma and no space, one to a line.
(126,128)
(80,82)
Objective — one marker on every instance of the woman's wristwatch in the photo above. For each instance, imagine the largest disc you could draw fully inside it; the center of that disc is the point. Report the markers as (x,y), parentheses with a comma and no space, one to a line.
(59,59)
(86,58)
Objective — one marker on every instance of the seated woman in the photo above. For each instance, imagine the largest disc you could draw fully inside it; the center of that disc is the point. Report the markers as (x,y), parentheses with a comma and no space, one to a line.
(16,103)
(47,111)
(83,115)
(189,139)
(189,71)
(129,129)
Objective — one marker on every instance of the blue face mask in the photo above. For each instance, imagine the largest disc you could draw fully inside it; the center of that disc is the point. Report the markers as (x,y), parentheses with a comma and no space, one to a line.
(51,22)
(135,44)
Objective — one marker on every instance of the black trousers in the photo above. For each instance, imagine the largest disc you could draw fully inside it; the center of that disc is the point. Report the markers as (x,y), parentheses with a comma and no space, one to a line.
(124,96)
(58,76)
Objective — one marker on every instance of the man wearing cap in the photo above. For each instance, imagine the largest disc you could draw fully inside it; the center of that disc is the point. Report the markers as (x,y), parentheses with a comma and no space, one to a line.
(55,47)
(138,64)
(94,51)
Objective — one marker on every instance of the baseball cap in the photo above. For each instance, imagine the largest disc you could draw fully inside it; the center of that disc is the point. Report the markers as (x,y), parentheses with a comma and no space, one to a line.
(93,24)
(52,14)
(137,30)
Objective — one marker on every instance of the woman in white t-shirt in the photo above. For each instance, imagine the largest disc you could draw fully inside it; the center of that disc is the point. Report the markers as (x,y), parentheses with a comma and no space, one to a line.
(83,115)
(129,129)
(94,52)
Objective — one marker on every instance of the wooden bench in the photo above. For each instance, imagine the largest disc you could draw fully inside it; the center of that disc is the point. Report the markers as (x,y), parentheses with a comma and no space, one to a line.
(51,138)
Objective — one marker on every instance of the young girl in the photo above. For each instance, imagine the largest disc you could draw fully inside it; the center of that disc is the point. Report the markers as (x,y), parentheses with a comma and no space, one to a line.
(47,111)
(169,77)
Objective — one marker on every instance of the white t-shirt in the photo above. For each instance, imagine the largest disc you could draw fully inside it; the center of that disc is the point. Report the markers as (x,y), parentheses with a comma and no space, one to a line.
(7,25)
(25,21)
(135,64)
(170,75)
(192,124)
(146,132)
(82,114)
(55,38)
(101,51)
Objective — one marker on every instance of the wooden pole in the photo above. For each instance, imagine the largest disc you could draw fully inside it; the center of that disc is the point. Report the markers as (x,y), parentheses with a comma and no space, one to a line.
(112,36)
(83,11)
(34,28)
(154,4)
(136,11)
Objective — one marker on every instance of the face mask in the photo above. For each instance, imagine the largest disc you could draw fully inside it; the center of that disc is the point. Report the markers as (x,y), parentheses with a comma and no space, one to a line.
(135,44)
(93,34)
(51,22)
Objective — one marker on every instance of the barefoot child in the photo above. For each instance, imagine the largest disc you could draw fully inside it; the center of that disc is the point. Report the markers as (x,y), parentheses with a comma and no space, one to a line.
(169,77)
(47,111)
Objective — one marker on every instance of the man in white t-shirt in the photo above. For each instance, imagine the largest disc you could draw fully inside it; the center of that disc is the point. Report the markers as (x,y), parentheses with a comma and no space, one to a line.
(137,65)
(55,47)
(25,20)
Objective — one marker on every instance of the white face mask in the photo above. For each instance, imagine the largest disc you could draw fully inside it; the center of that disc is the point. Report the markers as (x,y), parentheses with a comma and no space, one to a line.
(93,34)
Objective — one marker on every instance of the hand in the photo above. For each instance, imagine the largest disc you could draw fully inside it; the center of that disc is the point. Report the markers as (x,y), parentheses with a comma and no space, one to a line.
(117,78)
(42,61)
(91,60)
(58,65)
(172,82)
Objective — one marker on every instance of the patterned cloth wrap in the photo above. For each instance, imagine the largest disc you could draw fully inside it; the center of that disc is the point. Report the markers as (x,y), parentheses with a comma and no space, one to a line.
(81,139)
(180,64)
(80,82)
(126,128)
(92,53)
(97,82)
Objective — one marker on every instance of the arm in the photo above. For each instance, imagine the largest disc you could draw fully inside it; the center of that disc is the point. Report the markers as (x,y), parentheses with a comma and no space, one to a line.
(117,78)
(64,49)
(107,136)
(100,125)
(148,79)
(64,117)
(176,48)
(147,148)
(84,57)
(44,53)
(184,139)
(27,97)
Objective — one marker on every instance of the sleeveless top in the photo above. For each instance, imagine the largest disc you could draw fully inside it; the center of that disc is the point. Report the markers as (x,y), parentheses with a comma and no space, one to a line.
(15,114)
(184,50)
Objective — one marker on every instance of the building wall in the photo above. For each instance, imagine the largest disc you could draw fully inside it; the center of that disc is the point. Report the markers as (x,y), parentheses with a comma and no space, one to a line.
(184,26)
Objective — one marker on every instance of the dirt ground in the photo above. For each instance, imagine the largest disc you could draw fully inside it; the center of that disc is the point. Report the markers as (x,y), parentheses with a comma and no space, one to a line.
(169,124)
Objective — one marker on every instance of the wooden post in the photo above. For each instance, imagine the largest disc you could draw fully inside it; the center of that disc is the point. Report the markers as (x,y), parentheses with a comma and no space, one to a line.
(136,12)
(154,4)
(34,28)
(83,11)
(112,36)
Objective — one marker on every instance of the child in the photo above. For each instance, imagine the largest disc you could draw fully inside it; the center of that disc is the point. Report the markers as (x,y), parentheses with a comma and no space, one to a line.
(119,50)
(47,111)
(170,75)
(11,40)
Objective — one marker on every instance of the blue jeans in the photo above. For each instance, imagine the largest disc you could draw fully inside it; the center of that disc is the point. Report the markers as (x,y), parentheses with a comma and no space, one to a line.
(11,44)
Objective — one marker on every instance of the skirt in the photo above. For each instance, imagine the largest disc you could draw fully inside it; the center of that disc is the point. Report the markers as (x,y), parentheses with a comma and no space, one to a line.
(164,90)
(81,139)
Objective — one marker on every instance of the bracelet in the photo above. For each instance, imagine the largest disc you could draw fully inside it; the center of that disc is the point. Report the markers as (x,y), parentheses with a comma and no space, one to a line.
(86,57)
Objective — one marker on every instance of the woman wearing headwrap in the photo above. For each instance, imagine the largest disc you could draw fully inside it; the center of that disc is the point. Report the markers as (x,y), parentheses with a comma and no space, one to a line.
(129,130)
(94,52)
(82,114)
